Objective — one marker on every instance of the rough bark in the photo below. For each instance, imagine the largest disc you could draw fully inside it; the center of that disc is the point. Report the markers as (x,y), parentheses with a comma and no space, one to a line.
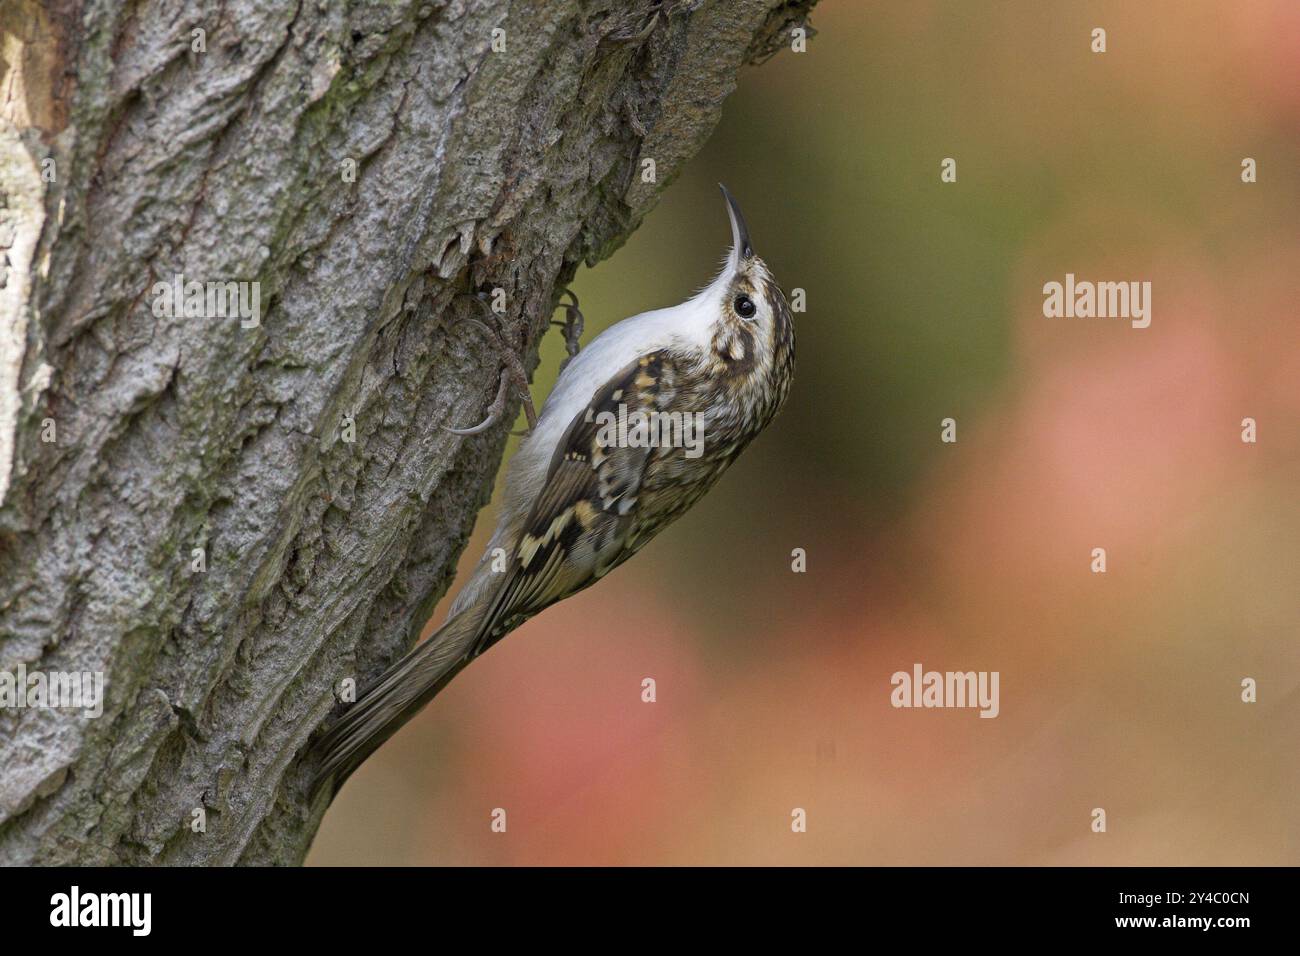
(475,170)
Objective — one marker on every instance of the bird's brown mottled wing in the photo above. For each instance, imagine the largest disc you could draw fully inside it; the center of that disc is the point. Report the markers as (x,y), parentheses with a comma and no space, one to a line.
(578,527)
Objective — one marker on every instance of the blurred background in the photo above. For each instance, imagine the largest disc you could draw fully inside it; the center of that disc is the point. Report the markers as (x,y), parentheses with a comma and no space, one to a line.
(1119,690)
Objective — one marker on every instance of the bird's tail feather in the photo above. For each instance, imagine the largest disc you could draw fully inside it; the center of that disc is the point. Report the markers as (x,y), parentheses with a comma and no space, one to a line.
(393,699)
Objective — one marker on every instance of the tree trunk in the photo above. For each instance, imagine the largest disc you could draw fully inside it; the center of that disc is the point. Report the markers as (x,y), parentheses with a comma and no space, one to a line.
(224,517)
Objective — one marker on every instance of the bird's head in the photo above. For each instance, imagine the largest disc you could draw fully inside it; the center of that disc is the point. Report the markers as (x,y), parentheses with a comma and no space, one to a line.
(752,328)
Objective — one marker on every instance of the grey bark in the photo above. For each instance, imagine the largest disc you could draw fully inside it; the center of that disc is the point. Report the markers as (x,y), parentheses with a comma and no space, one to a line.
(127,157)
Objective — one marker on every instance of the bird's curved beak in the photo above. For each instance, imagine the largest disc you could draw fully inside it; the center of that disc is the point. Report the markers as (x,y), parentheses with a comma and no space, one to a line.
(741,247)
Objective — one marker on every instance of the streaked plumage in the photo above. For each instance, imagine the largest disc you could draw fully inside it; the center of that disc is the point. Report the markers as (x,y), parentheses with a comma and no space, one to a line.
(575,505)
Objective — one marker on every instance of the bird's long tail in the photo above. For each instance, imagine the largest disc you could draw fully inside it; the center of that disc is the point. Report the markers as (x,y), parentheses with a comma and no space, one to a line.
(392,700)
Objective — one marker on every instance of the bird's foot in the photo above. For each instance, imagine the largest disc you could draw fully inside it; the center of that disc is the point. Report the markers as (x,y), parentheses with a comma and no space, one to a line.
(512,374)
(572,325)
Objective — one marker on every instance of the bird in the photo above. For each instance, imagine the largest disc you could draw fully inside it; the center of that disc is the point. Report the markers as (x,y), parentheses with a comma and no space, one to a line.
(583,495)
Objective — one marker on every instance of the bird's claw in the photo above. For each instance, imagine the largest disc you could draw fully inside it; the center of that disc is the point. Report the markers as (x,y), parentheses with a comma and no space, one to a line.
(494,410)
(512,369)
(572,325)
(512,372)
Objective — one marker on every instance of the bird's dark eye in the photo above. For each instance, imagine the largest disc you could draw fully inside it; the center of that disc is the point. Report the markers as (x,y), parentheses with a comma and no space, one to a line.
(744,307)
